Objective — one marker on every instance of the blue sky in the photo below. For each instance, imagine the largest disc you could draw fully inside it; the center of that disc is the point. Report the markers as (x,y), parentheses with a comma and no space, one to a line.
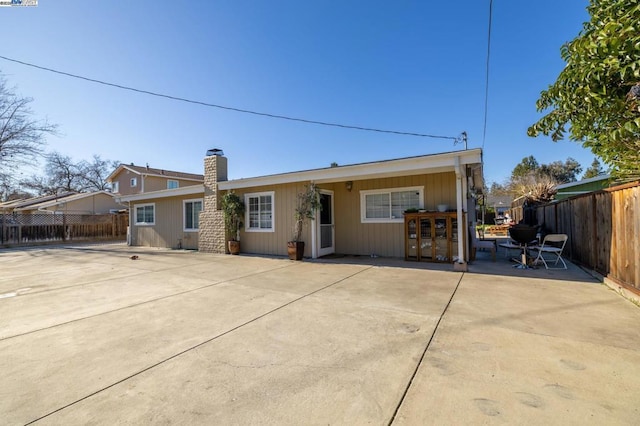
(415,66)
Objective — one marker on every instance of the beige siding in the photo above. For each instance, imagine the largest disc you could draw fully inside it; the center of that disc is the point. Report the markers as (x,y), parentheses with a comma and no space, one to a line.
(351,236)
(168,230)
(384,239)
(275,243)
(96,204)
(151,183)
(124,182)
(154,183)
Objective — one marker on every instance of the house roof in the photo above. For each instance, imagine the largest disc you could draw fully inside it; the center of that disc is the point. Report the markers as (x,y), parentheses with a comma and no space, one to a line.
(499,200)
(176,192)
(150,171)
(62,200)
(584,181)
(433,163)
(26,202)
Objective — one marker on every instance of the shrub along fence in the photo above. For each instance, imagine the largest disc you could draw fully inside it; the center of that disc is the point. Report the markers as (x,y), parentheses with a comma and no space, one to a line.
(25,228)
(603,229)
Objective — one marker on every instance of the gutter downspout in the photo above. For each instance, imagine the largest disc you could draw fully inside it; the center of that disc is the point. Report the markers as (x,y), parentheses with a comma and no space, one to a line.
(460,265)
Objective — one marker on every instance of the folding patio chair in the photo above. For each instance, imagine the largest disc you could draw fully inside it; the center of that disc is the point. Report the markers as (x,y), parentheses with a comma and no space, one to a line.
(481,244)
(553,244)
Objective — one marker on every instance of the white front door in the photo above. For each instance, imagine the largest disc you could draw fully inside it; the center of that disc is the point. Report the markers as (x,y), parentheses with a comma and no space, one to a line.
(325,225)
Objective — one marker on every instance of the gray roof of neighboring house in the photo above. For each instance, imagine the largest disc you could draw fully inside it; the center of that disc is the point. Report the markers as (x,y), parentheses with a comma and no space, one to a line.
(150,171)
(499,200)
(26,202)
(60,200)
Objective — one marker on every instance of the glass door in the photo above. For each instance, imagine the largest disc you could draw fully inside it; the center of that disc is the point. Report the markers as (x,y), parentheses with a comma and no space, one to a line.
(412,239)
(441,240)
(426,238)
(326,228)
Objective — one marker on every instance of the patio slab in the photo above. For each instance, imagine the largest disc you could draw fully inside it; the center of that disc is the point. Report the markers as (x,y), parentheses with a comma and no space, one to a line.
(192,338)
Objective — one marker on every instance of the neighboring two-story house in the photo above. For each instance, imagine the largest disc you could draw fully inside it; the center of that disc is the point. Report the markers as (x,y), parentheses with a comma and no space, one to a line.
(128,179)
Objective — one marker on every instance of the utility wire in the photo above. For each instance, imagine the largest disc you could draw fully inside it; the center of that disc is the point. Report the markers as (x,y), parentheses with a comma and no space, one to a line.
(486,85)
(245,111)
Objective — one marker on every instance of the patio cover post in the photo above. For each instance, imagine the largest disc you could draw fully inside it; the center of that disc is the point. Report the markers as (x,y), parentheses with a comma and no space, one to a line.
(461,225)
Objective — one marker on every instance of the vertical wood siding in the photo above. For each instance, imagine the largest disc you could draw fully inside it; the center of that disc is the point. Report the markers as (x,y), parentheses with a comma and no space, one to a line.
(168,229)
(154,183)
(351,236)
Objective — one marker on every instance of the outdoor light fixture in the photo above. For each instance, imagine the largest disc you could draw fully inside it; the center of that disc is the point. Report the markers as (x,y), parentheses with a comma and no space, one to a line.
(349,185)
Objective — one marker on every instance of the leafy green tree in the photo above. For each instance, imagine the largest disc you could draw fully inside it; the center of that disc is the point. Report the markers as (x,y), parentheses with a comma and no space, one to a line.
(525,167)
(597,94)
(561,172)
(593,171)
(529,169)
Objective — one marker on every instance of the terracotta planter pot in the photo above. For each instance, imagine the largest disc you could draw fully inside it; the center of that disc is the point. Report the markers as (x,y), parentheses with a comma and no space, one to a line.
(234,247)
(295,249)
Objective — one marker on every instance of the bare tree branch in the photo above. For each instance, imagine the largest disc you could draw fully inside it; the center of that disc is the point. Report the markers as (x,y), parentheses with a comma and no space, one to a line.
(22,137)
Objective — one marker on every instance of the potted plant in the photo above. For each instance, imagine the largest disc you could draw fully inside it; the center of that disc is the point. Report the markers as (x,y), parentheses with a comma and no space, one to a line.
(308,203)
(233,210)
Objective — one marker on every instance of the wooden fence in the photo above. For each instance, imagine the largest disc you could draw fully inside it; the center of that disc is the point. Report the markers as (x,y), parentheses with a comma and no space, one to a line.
(25,228)
(603,229)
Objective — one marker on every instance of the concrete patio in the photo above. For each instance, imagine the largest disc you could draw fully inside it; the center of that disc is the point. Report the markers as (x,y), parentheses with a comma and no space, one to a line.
(90,336)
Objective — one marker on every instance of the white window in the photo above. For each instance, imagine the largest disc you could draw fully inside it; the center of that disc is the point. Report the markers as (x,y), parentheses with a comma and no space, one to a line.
(133,182)
(115,187)
(192,209)
(172,184)
(387,205)
(259,212)
(145,214)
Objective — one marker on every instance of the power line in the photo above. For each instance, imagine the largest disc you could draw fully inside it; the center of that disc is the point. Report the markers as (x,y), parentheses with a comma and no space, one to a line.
(245,111)
(486,85)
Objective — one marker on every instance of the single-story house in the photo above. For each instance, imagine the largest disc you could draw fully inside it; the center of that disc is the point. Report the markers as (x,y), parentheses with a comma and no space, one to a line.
(129,179)
(362,213)
(100,202)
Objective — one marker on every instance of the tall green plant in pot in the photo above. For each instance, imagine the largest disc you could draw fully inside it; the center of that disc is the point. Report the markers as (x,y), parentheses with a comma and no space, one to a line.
(308,202)
(233,210)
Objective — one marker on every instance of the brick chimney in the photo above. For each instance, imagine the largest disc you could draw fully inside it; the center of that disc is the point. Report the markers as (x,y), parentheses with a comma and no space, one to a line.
(212,233)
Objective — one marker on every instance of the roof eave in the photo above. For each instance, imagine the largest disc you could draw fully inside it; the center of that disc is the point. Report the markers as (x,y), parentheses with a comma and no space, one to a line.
(435,163)
(164,193)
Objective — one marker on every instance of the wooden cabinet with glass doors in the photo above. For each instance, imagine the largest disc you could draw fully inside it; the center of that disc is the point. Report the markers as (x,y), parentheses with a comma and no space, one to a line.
(431,236)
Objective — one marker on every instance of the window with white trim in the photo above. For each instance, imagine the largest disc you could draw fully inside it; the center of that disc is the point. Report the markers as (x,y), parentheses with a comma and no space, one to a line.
(172,184)
(115,187)
(388,205)
(133,182)
(145,214)
(259,212)
(191,213)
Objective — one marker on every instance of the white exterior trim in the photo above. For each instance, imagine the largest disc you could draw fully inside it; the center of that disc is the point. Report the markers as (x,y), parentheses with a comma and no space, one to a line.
(273,211)
(184,214)
(400,167)
(164,193)
(135,214)
(363,203)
